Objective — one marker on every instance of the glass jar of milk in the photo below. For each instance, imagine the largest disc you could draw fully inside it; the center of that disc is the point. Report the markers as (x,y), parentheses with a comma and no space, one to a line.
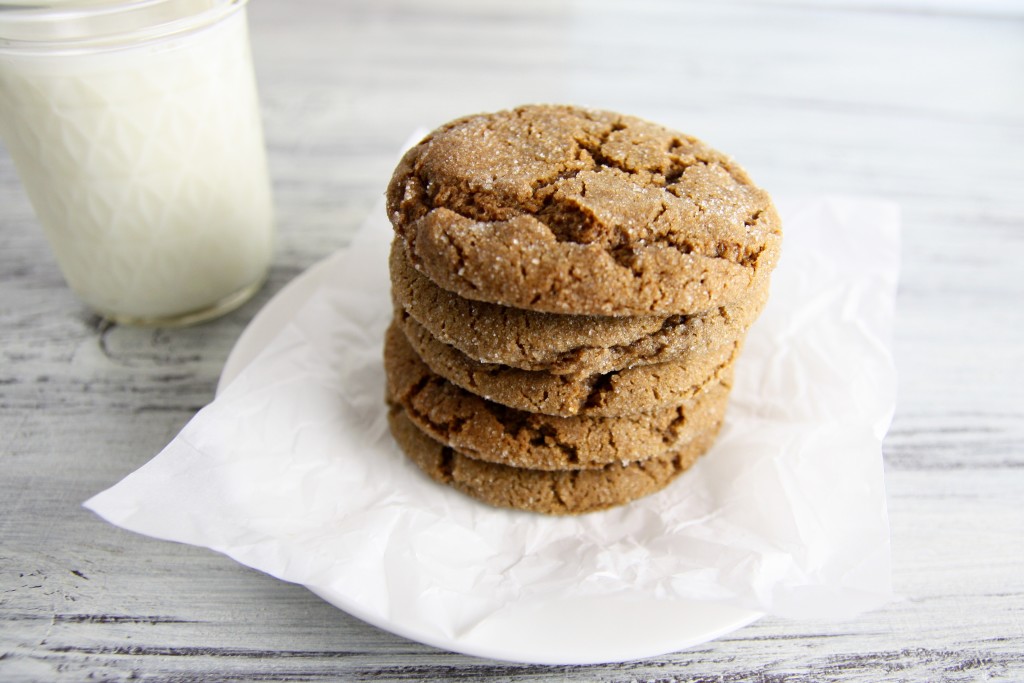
(135,130)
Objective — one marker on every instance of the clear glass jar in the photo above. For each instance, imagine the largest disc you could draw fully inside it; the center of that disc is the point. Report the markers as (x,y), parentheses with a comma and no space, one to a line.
(136,132)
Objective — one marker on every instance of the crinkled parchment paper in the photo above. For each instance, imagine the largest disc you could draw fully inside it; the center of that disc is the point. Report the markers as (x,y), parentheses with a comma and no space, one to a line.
(291,470)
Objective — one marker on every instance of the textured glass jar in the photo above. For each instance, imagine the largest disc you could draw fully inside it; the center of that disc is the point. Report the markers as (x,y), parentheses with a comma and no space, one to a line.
(135,130)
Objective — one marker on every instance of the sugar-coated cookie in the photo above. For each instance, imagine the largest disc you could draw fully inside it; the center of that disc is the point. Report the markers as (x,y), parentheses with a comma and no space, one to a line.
(555,493)
(570,210)
(488,431)
(623,392)
(564,344)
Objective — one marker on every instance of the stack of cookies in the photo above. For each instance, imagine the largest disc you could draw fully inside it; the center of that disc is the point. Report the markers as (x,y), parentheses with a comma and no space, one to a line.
(571,291)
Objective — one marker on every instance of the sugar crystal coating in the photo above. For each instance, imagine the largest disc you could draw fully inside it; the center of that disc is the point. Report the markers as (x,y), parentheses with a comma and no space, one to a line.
(568,210)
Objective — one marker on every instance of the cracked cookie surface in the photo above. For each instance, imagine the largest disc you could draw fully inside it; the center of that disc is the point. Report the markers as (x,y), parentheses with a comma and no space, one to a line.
(626,392)
(558,343)
(554,493)
(488,431)
(568,210)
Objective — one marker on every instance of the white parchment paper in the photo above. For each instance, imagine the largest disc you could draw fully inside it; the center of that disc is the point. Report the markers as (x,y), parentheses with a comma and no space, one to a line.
(292,471)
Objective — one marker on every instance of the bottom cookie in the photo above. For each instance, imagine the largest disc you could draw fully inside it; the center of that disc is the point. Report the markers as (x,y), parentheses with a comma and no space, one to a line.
(567,492)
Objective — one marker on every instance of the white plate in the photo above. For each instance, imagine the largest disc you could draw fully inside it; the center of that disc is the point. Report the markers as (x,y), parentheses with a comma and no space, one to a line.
(597,630)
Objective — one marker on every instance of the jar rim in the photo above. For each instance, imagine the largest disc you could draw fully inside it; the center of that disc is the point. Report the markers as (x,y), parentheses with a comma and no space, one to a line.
(105,25)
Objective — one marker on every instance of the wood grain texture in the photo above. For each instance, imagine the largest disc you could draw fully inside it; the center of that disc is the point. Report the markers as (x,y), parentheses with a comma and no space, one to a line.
(919,101)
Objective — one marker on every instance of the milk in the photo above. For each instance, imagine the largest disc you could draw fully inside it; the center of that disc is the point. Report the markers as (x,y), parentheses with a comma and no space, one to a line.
(146,167)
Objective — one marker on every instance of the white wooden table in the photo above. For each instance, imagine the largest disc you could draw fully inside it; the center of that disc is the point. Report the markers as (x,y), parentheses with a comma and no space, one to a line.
(921,102)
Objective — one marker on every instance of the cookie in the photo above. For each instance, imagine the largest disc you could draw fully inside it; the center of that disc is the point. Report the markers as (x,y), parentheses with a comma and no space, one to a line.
(568,210)
(624,392)
(554,493)
(563,344)
(489,431)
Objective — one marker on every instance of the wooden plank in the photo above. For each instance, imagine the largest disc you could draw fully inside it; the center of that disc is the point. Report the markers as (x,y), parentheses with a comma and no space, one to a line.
(919,101)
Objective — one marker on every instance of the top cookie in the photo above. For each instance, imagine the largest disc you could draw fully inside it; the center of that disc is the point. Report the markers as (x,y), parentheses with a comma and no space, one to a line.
(567,210)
